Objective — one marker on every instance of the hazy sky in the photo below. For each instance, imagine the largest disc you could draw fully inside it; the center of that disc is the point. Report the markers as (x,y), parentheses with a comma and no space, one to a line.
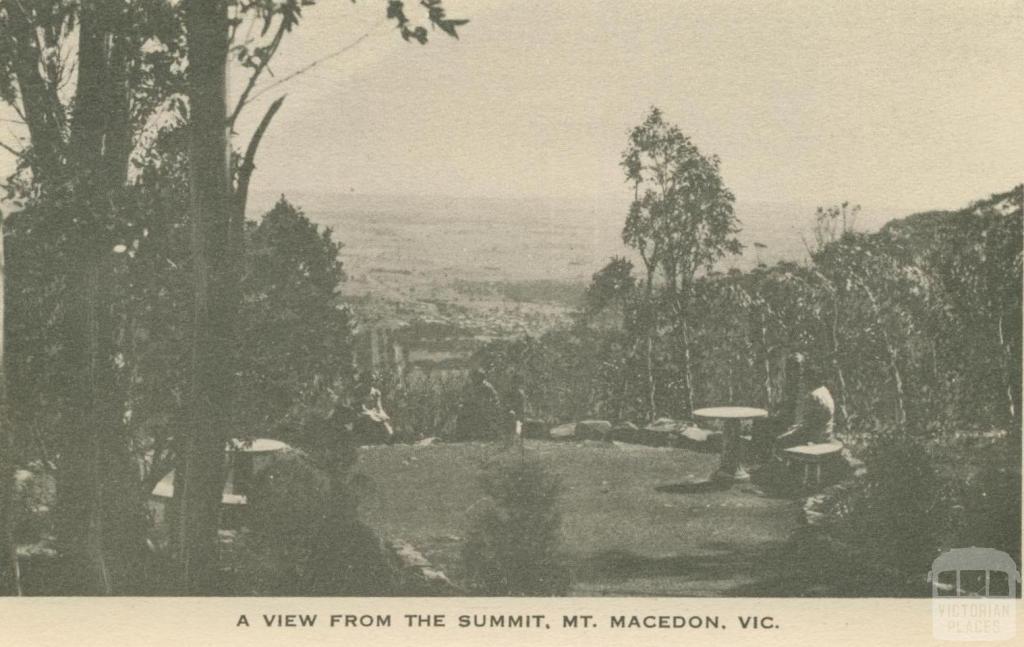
(906,104)
(915,105)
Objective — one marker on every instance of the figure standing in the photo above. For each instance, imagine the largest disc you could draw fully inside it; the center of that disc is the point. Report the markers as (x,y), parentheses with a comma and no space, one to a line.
(515,403)
(479,411)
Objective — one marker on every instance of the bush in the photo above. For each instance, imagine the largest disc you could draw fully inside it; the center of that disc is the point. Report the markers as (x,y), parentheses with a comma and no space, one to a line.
(902,514)
(305,536)
(989,506)
(422,405)
(512,548)
(879,535)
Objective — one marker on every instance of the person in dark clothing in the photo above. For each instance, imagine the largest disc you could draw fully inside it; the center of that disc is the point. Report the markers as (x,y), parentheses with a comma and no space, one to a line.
(767,430)
(805,416)
(480,409)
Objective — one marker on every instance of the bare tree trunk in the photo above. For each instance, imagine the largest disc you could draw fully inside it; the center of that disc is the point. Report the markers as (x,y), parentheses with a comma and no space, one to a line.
(1006,359)
(892,359)
(687,366)
(680,300)
(649,329)
(897,377)
(200,475)
(98,511)
(766,361)
(837,367)
(10,574)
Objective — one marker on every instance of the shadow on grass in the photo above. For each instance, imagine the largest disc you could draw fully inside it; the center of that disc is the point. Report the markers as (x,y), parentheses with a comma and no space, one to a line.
(694,487)
(727,564)
(766,571)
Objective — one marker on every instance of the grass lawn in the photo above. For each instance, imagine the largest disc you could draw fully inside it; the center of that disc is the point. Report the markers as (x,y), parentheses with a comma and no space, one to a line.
(629,526)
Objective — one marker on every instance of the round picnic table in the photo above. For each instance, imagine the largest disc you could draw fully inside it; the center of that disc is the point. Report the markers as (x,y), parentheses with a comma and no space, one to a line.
(731,466)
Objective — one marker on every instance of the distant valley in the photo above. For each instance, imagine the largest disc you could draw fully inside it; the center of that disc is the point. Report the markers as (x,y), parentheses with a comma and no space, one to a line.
(484,268)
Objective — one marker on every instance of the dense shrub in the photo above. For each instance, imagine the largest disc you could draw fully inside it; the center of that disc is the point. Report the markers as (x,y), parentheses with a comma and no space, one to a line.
(305,536)
(988,504)
(512,548)
(901,514)
(422,404)
(878,536)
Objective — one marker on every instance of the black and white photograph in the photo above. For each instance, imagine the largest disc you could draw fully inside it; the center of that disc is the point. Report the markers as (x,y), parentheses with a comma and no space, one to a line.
(468,299)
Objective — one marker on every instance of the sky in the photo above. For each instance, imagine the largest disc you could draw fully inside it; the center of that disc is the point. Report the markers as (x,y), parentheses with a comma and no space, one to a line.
(911,105)
(914,105)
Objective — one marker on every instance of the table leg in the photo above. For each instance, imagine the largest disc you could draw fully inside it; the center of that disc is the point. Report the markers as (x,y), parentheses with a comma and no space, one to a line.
(242,472)
(731,467)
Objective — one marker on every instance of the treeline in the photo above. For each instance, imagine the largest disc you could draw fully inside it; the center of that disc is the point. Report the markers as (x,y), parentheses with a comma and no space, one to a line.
(917,326)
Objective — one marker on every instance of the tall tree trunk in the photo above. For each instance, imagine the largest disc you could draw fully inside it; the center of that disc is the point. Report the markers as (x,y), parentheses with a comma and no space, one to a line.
(892,359)
(766,360)
(1010,359)
(680,298)
(897,379)
(649,330)
(95,506)
(99,527)
(10,574)
(684,329)
(837,367)
(200,475)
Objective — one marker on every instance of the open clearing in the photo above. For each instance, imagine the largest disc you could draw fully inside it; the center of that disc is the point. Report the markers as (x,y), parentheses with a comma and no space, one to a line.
(628,528)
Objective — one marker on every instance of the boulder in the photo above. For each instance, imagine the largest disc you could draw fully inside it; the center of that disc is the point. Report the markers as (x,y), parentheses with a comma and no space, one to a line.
(627,432)
(667,425)
(664,432)
(594,429)
(563,432)
(533,428)
(701,439)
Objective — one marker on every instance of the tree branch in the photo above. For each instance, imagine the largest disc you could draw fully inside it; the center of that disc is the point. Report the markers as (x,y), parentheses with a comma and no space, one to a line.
(264,62)
(248,164)
(10,150)
(318,61)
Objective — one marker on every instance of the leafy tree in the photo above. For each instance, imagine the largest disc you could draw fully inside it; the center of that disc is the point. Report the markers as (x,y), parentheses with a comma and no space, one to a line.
(612,286)
(295,340)
(88,143)
(681,219)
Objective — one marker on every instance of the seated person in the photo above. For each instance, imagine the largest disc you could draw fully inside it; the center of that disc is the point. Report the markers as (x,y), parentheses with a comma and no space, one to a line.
(803,416)
(814,423)
(372,424)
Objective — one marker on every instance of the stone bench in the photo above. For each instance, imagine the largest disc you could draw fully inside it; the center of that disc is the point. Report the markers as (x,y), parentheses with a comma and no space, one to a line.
(811,456)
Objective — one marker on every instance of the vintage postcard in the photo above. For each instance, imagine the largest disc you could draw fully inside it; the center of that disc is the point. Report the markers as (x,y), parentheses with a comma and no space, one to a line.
(477,322)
